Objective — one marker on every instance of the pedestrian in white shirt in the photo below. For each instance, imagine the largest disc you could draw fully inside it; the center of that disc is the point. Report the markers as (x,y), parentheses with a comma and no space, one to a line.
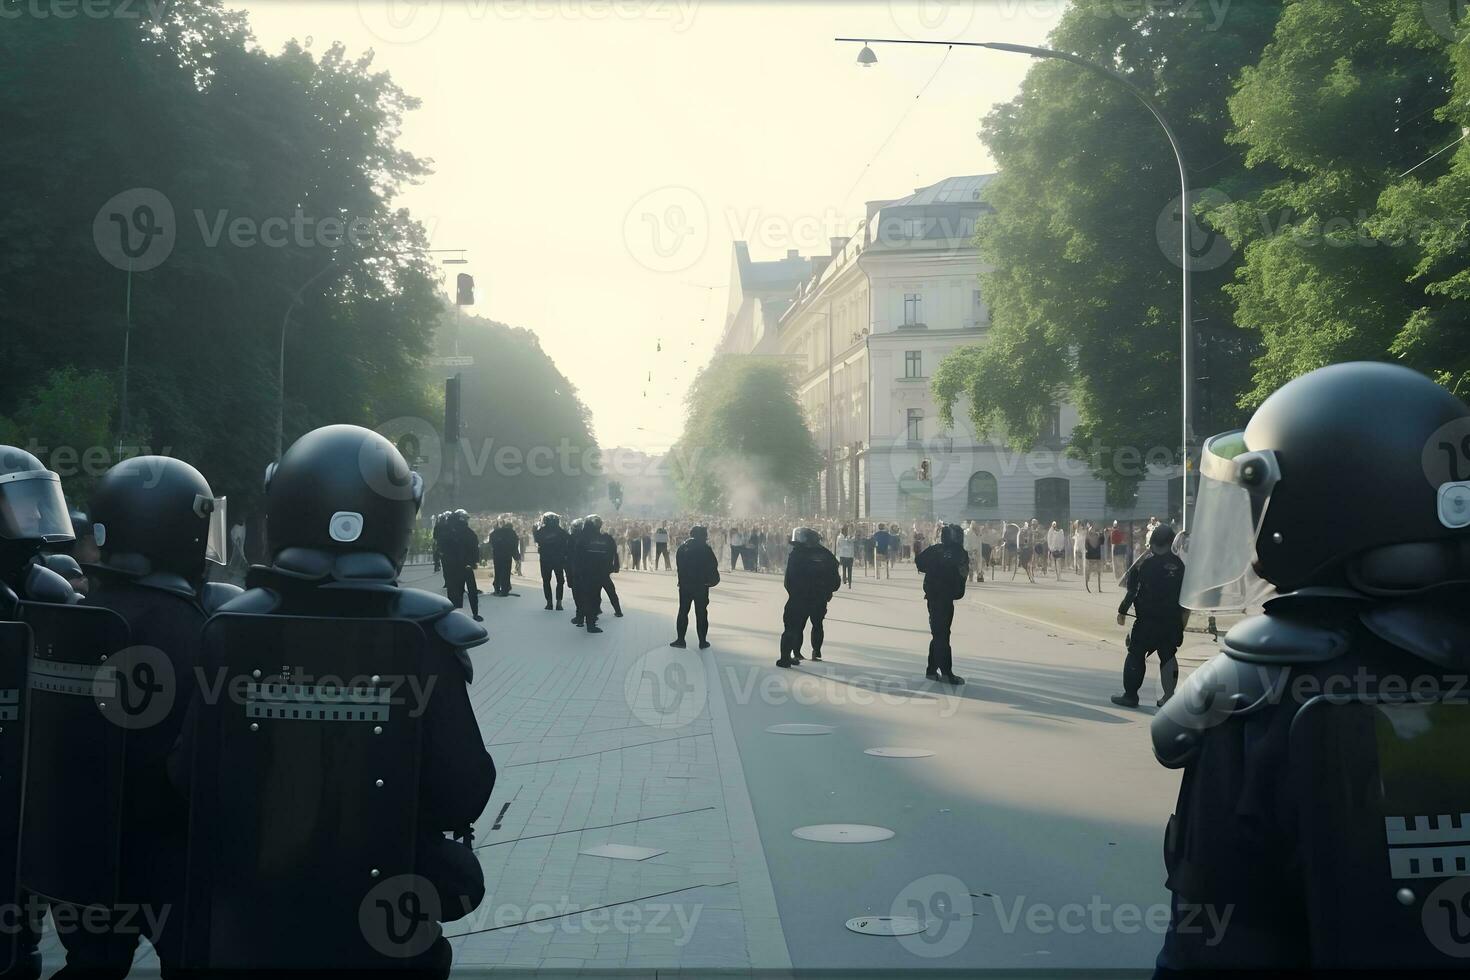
(846,551)
(972,547)
(1056,543)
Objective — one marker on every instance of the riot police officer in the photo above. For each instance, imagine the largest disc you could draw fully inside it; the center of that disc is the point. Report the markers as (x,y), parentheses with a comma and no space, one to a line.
(505,548)
(1322,745)
(460,551)
(553,547)
(1153,590)
(341,504)
(574,534)
(33,516)
(812,577)
(594,560)
(699,571)
(157,524)
(945,566)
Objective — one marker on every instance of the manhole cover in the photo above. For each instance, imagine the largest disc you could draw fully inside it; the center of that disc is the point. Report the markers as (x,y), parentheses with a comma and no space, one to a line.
(897,752)
(887,925)
(842,833)
(800,729)
(623,852)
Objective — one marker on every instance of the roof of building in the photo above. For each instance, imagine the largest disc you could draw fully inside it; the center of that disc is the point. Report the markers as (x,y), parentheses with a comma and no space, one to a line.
(778,274)
(952,190)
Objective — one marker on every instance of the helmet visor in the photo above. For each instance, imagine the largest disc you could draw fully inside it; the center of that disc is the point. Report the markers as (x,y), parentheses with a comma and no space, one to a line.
(217,542)
(32,508)
(1234,489)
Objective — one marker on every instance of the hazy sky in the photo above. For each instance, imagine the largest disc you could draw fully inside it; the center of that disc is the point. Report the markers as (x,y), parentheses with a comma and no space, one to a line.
(597,158)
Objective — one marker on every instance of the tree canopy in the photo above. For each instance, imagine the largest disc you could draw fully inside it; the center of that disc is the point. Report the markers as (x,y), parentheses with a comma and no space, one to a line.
(1082,247)
(745,443)
(279,171)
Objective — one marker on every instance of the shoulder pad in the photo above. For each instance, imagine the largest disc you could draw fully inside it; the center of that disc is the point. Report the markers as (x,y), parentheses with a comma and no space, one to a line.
(1222,689)
(167,582)
(438,613)
(216,594)
(44,585)
(1287,638)
(1430,627)
(252,602)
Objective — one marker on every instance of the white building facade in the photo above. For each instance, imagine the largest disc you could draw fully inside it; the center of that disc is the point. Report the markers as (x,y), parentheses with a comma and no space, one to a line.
(868,330)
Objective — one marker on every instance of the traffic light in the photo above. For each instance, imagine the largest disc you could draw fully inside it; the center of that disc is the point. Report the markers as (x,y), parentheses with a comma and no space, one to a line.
(464,290)
(615,494)
(451,409)
(924,470)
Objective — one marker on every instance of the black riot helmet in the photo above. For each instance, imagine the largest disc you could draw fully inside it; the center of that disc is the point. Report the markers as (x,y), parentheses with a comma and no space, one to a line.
(805,535)
(32,508)
(1162,538)
(550,519)
(462,516)
(952,534)
(342,489)
(592,523)
(1349,466)
(577,526)
(699,532)
(153,514)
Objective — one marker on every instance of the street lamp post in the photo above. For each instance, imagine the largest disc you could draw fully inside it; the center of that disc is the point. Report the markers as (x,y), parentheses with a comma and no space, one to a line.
(281,362)
(867,59)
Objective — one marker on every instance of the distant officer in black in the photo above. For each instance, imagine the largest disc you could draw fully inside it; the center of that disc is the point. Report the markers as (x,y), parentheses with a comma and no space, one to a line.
(157,524)
(337,542)
(699,571)
(553,547)
(945,566)
(460,551)
(573,536)
(505,549)
(1153,591)
(594,559)
(1324,748)
(33,516)
(441,526)
(812,576)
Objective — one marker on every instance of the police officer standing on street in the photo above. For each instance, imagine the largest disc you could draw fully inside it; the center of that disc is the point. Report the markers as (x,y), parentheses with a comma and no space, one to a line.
(158,524)
(460,552)
(553,548)
(594,559)
(341,504)
(505,549)
(1153,591)
(1325,744)
(812,576)
(699,571)
(33,516)
(946,569)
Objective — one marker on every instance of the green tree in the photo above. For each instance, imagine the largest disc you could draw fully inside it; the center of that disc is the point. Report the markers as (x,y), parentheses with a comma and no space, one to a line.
(1349,256)
(745,442)
(66,420)
(190,107)
(527,441)
(1083,273)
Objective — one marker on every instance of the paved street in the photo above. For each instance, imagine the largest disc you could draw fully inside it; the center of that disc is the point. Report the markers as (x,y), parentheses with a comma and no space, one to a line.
(1029,839)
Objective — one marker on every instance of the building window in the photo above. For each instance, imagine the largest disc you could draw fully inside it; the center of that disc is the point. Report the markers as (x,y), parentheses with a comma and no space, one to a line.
(916,425)
(984,491)
(913,309)
(1054,423)
(913,364)
(913,227)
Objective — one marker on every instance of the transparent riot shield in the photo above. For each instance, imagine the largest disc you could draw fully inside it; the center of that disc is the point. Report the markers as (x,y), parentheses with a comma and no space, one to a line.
(15,654)
(76,754)
(304,796)
(1385,830)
